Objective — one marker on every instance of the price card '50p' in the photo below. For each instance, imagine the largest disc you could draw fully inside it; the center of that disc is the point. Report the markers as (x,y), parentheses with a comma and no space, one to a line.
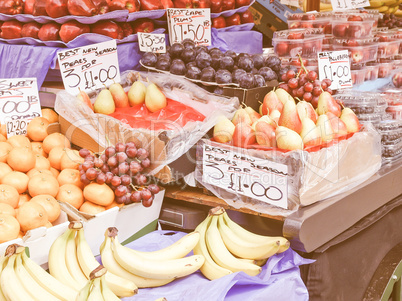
(90,67)
(335,65)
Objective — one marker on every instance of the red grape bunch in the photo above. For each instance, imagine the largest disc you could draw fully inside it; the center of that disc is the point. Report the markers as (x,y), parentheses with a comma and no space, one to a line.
(304,85)
(121,168)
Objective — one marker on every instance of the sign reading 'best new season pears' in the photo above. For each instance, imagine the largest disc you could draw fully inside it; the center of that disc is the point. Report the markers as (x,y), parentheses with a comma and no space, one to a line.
(89,67)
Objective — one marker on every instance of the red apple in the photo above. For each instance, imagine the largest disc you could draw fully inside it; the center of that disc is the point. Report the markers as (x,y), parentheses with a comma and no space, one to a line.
(233,20)
(201,3)
(182,3)
(355,18)
(56,8)
(228,5)
(328,29)
(49,32)
(11,29)
(240,3)
(354,31)
(143,25)
(216,6)
(246,17)
(339,30)
(397,79)
(31,29)
(11,7)
(127,29)
(282,48)
(28,7)
(218,22)
(72,29)
(108,28)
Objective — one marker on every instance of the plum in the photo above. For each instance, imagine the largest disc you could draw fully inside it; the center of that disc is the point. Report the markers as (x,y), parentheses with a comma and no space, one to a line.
(200,48)
(215,62)
(254,71)
(273,62)
(227,63)
(193,73)
(268,74)
(208,74)
(163,64)
(149,59)
(188,43)
(236,75)
(218,90)
(178,67)
(245,63)
(247,81)
(188,55)
(231,53)
(259,80)
(223,76)
(215,51)
(191,64)
(203,60)
(240,55)
(176,50)
(258,60)
(165,56)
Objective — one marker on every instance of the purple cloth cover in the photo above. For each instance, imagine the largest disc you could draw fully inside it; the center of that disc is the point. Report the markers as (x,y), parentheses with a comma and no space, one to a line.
(238,41)
(279,280)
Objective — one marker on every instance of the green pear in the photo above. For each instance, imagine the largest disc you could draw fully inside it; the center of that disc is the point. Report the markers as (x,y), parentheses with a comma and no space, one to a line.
(324,124)
(310,133)
(104,103)
(283,96)
(350,119)
(119,95)
(288,139)
(154,98)
(223,130)
(136,94)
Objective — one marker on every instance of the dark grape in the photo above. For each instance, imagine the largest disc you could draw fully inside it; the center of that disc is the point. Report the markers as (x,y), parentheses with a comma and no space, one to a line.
(116,181)
(105,168)
(115,170)
(302,80)
(112,162)
(329,91)
(120,199)
(121,157)
(324,86)
(153,188)
(314,101)
(87,165)
(125,180)
(284,78)
(120,147)
(293,83)
(135,196)
(103,157)
(82,172)
(290,74)
(308,96)
(110,151)
(109,176)
(300,92)
(131,152)
(120,190)
(130,144)
(146,163)
(127,201)
(146,194)
(316,83)
(140,179)
(91,174)
(148,203)
(308,87)
(84,152)
(135,167)
(294,92)
(98,162)
(84,179)
(123,168)
(284,87)
(327,81)
(142,153)
(316,91)
(101,178)
(89,158)
(312,76)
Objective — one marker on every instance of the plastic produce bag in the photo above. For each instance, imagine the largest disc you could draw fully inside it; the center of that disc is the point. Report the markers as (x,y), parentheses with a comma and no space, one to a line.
(311,176)
(165,144)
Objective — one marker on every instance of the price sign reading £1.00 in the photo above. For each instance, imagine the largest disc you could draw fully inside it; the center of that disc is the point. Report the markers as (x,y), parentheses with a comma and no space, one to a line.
(238,173)
(90,67)
(152,42)
(19,104)
(335,65)
(191,23)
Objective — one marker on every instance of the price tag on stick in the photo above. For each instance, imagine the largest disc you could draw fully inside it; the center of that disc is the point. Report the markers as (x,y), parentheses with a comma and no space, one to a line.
(152,42)
(90,67)
(19,104)
(335,65)
(191,23)
(239,173)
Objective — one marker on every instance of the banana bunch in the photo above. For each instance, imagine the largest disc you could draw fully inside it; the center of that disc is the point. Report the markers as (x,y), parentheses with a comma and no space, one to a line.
(21,279)
(150,269)
(71,261)
(228,247)
(385,6)
(96,289)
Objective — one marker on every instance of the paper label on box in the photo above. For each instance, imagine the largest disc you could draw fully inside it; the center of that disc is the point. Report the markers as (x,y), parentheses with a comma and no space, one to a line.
(335,65)
(89,67)
(294,3)
(152,42)
(190,23)
(240,173)
(349,4)
(19,104)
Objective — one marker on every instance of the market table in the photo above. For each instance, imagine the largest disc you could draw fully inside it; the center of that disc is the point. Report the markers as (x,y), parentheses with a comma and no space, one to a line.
(348,235)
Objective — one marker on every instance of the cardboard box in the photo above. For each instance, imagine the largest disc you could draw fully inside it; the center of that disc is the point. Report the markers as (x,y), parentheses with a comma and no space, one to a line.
(278,9)
(132,221)
(39,240)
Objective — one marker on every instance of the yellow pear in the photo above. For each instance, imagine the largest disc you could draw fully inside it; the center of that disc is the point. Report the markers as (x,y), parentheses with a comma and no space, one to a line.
(154,98)
(104,103)
(310,133)
(223,130)
(324,124)
(136,94)
(288,139)
(119,95)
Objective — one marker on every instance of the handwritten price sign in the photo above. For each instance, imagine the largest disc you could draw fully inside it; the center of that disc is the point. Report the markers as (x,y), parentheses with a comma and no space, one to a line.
(191,23)
(335,65)
(89,68)
(152,42)
(19,104)
(256,178)
(349,4)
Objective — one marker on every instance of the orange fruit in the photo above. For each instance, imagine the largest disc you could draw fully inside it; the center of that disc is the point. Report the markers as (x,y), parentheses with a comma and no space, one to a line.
(21,159)
(37,148)
(70,176)
(17,179)
(55,139)
(19,141)
(55,155)
(9,227)
(42,162)
(9,195)
(4,169)
(100,194)
(3,138)
(36,171)
(70,193)
(55,172)
(43,184)
(37,129)
(7,209)
(50,204)
(24,197)
(91,208)
(71,159)
(31,215)
(3,129)
(5,149)
(50,115)
(114,204)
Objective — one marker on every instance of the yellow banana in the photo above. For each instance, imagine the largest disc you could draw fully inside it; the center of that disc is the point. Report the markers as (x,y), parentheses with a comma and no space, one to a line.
(107,293)
(83,294)
(383,9)
(376,3)
(72,261)
(2,261)
(96,293)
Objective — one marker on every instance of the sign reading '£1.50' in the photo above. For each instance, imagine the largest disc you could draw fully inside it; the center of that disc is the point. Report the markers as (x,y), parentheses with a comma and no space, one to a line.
(239,173)
(19,104)
(190,23)
(89,67)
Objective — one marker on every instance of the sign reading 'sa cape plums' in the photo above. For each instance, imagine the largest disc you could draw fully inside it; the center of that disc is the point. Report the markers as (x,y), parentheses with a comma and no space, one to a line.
(90,67)
(19,104)
(349,4)
(190,23)
(152,42)
(335,65)
(240,173)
